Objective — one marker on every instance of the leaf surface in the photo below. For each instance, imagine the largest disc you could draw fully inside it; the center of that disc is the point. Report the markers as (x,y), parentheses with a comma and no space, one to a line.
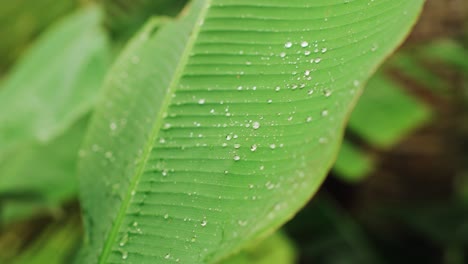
(217,128)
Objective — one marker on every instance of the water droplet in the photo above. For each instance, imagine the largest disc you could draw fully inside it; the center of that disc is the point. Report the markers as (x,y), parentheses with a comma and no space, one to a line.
(113,126)
(308,119)
(242,222)
(324,112)
(166,216)
(324,50)
(164,173)
(307,73)
(323,140)
(124,255)
(269,185)
(236,157)
(123,240)
(253,147)
(201,101)
(283,54)
(236,146)
(272,146)
(204,222)
(255,125)
(317,60)
(307,52)
(167,256)
(304,44)
(356,83)
(327,92)
(288,44)
(228,137)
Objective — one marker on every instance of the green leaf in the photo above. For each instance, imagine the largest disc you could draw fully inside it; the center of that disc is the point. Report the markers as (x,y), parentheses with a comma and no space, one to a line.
(445,51)
(408,65)
(55,83)
(219,127)
(352,164)
(39,177)
(42,115)
(275,249)
(385,113)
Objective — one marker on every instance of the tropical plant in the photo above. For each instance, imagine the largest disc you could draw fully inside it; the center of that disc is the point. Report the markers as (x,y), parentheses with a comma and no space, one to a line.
(210,131)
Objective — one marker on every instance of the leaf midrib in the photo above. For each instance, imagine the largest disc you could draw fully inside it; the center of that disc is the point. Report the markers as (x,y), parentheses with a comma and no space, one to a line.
(154,133)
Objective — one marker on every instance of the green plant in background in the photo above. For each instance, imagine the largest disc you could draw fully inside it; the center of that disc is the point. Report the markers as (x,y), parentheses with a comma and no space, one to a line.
(211,130)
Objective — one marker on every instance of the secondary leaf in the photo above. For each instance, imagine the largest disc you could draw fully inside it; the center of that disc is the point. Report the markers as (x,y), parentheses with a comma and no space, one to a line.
(386,113)
(41,119)
(56,82)
(40,176)
(216,129)
(352,164)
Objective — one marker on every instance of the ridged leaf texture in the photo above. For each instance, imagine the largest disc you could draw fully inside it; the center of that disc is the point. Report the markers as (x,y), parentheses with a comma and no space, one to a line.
(217,128)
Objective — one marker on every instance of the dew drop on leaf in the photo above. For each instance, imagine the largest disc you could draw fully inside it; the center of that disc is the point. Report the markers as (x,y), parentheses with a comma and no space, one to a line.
(255,125)
(242,222)
(253,147)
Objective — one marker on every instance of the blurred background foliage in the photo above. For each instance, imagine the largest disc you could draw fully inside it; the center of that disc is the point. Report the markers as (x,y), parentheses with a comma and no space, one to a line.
(398,192)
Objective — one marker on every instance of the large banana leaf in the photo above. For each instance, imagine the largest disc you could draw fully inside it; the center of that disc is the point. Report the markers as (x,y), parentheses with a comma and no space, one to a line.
(216,129)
